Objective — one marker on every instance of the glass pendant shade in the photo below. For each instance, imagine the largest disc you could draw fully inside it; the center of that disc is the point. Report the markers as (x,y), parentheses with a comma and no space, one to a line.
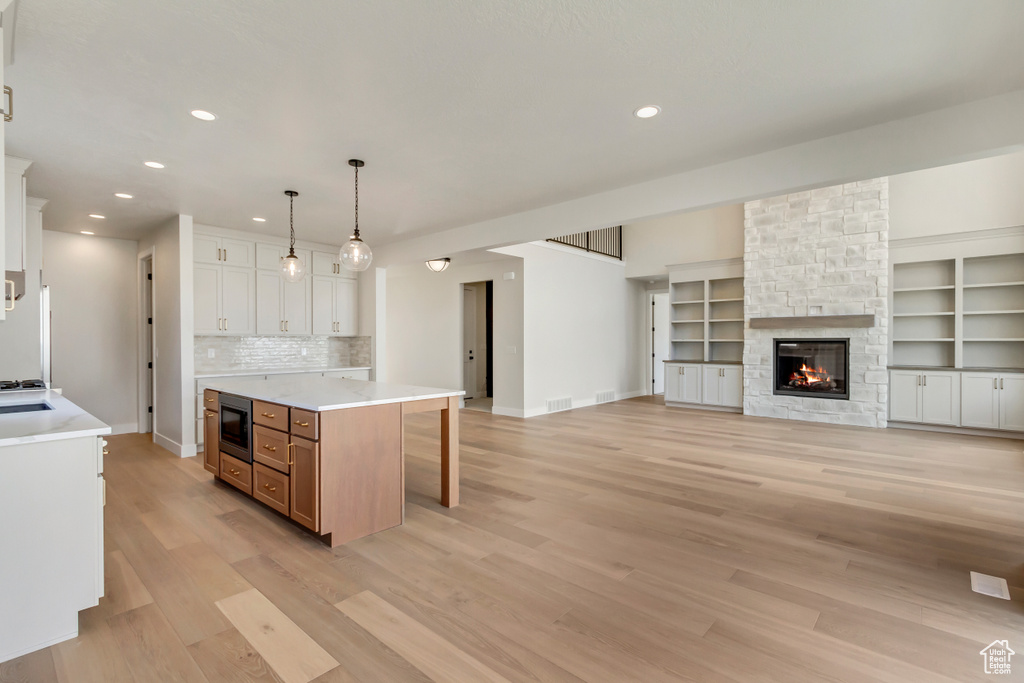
(355,255)
(292,268)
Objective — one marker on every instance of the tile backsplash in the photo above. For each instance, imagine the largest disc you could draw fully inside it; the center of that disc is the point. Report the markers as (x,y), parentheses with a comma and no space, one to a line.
(279,353)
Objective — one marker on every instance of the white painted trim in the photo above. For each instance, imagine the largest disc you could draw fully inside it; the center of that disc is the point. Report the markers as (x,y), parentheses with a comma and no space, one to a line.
(260,238)
(582,253)
(648,389)
(169,444)
(507,412)
(126,428)
(954,237)
(143,406)
(629,394)
(702,265)
(968,431)
(702,406)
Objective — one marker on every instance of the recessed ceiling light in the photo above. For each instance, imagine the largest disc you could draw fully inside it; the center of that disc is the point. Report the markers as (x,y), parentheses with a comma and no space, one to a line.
(87,232)
(260,220)
(203,115)
(97,216)
(647,112)
(154,164)
(122,195)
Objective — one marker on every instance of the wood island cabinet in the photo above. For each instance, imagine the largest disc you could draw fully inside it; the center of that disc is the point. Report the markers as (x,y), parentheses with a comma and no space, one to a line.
(305,483)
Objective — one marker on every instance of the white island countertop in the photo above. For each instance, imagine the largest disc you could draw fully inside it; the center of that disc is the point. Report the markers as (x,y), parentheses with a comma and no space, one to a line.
(325,393)
(65,421)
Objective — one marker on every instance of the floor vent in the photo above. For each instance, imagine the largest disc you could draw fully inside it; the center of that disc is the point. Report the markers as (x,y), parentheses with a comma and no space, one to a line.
(990,585)
(556,404)
(605,396)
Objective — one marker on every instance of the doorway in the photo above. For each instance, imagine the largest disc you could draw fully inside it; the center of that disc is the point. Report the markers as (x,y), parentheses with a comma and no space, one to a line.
(658,340)
(477,345)
(146,341)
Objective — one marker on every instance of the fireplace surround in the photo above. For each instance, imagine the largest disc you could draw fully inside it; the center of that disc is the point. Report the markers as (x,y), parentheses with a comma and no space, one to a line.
(813,368)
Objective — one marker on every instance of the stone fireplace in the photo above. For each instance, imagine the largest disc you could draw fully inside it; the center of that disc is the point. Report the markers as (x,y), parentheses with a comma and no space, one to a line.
(815,271)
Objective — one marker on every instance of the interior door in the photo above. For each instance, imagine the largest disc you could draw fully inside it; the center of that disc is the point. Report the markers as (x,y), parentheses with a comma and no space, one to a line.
(323,305)
(345,303)
(206,298)
(295,306)
(469,341)
(268,302)
(659,339)
(238,300)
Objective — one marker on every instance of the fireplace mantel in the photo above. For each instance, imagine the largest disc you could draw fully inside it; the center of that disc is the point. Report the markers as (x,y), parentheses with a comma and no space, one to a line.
(812,321)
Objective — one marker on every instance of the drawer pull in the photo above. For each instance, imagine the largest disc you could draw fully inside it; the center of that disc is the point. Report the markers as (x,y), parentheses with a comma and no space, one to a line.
(233,471)
(210,400)
(106,452)
(302,424)
(268,415)
(272,449)
(270,488)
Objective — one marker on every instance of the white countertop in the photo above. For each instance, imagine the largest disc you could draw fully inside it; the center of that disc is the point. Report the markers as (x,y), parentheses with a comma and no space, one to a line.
(325,393)
(256,373)
(65,421)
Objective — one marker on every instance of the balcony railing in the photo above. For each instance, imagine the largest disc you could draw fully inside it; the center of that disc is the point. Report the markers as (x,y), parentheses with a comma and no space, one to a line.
(606,241)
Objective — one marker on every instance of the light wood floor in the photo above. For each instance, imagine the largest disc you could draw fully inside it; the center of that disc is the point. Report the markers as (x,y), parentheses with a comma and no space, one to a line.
(621,542)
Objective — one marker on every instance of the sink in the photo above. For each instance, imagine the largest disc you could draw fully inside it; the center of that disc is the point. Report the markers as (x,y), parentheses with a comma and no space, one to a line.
(25,407)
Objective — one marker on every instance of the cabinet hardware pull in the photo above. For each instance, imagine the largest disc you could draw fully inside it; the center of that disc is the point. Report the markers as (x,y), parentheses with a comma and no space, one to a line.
(233,471)
(1001,386)
(302,424)
(272,449)
(925,380)
(291,457)
(995,382)
(9,283)
(280,326)
(225,254)
(285,325)
(106,452)
(225,324)
(270,488)
(268,415)
(209,400)
(9,112)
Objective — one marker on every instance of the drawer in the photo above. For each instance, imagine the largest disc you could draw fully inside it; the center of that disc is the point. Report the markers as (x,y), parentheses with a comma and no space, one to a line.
(305,424)
(271,448)
(271,487)
(270,415)
(236,472)
(211,400)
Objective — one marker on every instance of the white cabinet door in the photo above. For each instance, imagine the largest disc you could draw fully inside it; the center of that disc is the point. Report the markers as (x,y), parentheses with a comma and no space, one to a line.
(325,263)
(345,303)
(673,389)
(238,300)
(206,298)
(268,256)
(14,225)
(238,253)
(323,305)
(711,383)
(206,249)
(689,383)
(940,398)
(1011,402)
(268,303)
(904,396)
(979,406)
(732,386)
(295,306)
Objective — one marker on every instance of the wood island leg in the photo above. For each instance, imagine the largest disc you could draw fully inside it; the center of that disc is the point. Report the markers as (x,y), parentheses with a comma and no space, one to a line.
(450,453)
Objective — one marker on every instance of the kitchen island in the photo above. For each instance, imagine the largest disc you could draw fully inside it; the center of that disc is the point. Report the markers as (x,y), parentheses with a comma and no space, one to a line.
(51,562)
(325,452)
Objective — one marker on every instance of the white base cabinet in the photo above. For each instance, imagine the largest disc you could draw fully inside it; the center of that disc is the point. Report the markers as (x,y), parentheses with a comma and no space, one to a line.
(704,384)
(931,397)
(993,401)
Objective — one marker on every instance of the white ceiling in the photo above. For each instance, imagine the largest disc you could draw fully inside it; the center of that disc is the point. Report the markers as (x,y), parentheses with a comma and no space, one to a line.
(463,111)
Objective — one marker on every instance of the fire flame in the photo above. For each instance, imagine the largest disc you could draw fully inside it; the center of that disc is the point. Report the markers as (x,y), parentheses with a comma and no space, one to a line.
(809,376)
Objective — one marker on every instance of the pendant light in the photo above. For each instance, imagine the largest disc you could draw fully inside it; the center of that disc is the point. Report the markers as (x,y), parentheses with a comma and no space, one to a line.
(292,267)
(355,255)
(439,265)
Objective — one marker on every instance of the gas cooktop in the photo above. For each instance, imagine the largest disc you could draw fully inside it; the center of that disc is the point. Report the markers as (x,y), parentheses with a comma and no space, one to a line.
(16,385)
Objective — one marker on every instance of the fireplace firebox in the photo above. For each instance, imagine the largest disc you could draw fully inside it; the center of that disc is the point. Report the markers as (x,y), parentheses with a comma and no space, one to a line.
(813,368)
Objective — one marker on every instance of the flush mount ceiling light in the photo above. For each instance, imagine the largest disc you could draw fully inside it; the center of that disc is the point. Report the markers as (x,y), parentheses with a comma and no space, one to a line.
(439,265)
(203,115)
(259,220)
(97,216)
(292,267)
(87,232)
(122,195)
(154,164)
(647,112)
(355,255)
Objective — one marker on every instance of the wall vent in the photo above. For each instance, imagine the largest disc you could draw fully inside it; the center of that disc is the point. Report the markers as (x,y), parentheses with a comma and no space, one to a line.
(605,396)
(557,404)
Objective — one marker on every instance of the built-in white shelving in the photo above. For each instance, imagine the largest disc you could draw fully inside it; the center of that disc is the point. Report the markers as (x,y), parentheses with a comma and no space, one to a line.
(707,319)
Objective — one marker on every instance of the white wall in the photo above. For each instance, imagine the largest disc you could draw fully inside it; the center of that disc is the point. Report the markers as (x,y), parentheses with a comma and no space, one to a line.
(94,305)
(424,327)
(708,235)
(975,195)
(584,327)
(173,325)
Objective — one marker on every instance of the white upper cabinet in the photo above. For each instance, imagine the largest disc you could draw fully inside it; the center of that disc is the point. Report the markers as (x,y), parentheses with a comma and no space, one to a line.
(224,300)
(15,212)
(282,307)
(268,256)
(3,231)
(325,263)
(334,306)
(223,250)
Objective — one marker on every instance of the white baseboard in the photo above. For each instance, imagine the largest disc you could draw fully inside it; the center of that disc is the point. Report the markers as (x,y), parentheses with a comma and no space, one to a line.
(127,428)
(970,431)
(631,394)
(507,412)
(180,450)
(582,403)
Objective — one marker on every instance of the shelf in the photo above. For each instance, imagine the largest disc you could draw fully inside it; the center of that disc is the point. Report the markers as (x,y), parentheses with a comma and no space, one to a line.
(694,301)
(733,320)
(923,339)
(734,341)
(688,341)
(995,284)
(687,322)
(720,301)
(922,289)
(993,339)
(923,315)
(1012,312)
